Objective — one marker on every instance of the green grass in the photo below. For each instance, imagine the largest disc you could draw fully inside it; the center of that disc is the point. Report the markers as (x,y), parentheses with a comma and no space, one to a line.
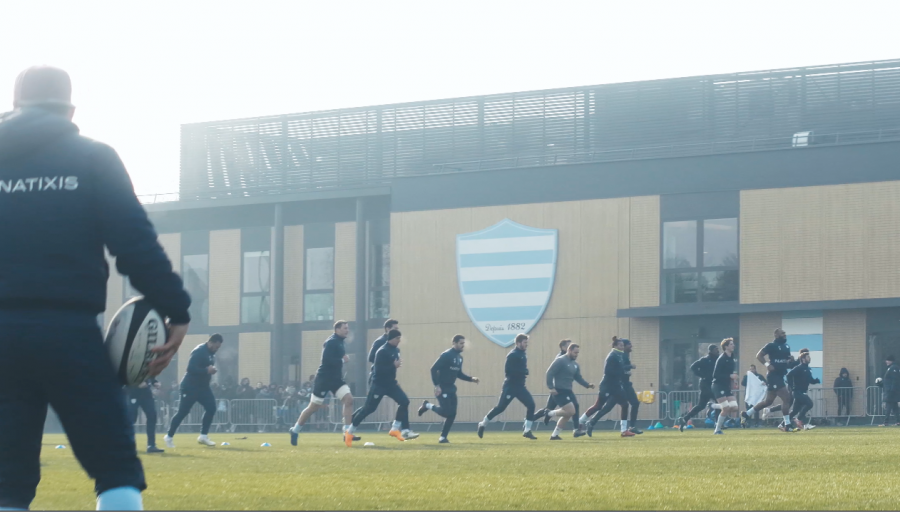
(838,468)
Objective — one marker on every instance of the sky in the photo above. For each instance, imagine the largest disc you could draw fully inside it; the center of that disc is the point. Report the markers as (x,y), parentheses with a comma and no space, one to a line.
(142,69)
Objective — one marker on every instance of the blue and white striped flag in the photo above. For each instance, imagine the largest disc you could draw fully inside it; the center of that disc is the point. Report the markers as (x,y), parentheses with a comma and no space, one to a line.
(506,275)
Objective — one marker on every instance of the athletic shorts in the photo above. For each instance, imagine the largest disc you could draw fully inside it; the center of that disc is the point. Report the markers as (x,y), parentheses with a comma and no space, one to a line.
(774,381)
(722,391)
(322,387)
(565,397)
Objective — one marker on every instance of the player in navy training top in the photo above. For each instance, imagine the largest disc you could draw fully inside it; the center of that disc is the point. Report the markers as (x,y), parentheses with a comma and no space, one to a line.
(799,379)
(389,325)
(702,368)
(724,379)
(444,373)
(779,354)
(516,370)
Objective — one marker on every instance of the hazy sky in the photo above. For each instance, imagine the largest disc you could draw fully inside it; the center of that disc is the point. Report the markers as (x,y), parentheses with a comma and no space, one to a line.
(140,70)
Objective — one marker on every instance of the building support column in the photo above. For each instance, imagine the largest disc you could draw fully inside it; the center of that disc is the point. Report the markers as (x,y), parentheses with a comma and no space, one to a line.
(277,366)
(361,328)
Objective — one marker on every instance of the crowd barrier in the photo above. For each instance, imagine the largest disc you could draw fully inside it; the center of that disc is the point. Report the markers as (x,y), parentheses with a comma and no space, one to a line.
(264,414)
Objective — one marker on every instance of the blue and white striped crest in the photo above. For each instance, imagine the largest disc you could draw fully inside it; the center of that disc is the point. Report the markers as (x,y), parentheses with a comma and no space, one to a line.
(506,275)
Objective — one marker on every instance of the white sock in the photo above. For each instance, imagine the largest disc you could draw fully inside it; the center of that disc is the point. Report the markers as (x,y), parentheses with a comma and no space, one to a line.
(556,431)
(787,419)
(396,426)
(551,414)
(486,420)
(441,438)
(720,422)
(624,425)
(350,428)
(120,498)
(716,406)
(429,406)
(584,419)
(528,425)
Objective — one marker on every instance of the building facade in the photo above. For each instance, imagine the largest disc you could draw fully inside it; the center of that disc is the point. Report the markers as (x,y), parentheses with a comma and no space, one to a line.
(674,213)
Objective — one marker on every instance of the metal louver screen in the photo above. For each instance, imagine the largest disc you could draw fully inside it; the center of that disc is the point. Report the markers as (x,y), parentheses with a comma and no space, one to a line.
(840,104)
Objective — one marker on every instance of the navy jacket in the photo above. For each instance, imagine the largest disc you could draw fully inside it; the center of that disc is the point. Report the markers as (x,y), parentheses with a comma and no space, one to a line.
(63,197)
(333,353)
(800,377)
(385,373)
(516,368)
(447,369)
(891,380)
(377,344)
(703,368)
(197,376)
(613,369)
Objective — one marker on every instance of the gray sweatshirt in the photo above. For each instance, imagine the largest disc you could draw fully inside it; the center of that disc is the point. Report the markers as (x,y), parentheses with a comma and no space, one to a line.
(562,372)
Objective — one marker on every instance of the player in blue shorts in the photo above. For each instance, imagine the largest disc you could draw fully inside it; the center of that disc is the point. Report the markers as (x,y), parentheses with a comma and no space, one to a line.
(780,361)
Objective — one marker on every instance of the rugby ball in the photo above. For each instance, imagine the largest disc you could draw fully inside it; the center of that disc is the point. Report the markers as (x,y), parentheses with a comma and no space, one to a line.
(134,330)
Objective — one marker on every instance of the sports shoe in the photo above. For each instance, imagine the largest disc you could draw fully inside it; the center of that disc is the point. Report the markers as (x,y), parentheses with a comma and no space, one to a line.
(555,438)
(578,433)
(204,440)
(808,427)
(348,439)
(590,429)
(798,424)
(636,430)
(397,435)
(294,437)
(409,434)
(423,408)
(153,449)
(717,432)
(681,424)
(170,443)
(480,430)
(540,414)
(628,433)
(790,428)
(781,427)
(529,435)
(443,440)
(547,418)
(744,419)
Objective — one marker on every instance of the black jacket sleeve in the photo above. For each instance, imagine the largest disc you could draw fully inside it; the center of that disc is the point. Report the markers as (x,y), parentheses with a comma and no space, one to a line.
(375,346)
(333,354)
(463,376)
(791,375)
(436,369)
(695,368)
(130,237)
(384,362)
(515,366)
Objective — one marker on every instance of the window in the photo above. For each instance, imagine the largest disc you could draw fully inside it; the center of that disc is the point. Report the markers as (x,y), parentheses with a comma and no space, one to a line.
(700,261)
(380,282)
(318,282)
(380,268)
(256,275)
(195,272)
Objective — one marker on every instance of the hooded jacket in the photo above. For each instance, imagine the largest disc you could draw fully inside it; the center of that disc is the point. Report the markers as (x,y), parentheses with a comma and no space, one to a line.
(843,382)
(63,198)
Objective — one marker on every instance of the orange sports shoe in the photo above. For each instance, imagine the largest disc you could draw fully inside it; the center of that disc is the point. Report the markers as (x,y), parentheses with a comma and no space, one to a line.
(397,434)
(348,438)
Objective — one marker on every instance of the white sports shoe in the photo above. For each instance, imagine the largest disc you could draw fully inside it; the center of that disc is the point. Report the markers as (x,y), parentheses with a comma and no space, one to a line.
(409,434)
(170,443)
(206,440)
(807,426)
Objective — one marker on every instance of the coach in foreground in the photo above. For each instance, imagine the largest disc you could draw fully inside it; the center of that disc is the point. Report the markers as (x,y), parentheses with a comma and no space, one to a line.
(63,198)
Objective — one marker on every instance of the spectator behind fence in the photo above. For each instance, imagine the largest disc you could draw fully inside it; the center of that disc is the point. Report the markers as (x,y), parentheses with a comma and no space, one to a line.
(843,388)
(264,393)
(245,391)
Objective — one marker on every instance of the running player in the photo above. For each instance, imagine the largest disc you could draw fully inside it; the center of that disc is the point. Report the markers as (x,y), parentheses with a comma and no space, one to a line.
(799,379)
(890,385)
(141,398)
(444,373)
(560,376)
(514,388)
(702,368)
(330,379)
(389,325)
(551,399)
(723,380)
(195,390)
(631,399)
(611,393)
(779,354)
(384,383)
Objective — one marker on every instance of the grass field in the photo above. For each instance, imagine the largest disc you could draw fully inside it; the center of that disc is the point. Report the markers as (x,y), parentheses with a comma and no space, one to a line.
(837,468)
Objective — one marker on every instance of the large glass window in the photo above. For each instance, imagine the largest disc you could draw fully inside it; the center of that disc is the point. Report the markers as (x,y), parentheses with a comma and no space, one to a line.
(255,296)
(195,272)
(318,299)
(380,281)
(709,248)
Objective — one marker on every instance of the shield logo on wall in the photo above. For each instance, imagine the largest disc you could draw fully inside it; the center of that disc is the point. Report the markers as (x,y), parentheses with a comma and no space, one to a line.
(506,275)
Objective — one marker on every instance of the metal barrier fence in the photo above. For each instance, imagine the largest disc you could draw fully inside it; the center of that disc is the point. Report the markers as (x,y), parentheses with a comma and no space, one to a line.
(162,415)
(195,417)
(258,413)
(874,402)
